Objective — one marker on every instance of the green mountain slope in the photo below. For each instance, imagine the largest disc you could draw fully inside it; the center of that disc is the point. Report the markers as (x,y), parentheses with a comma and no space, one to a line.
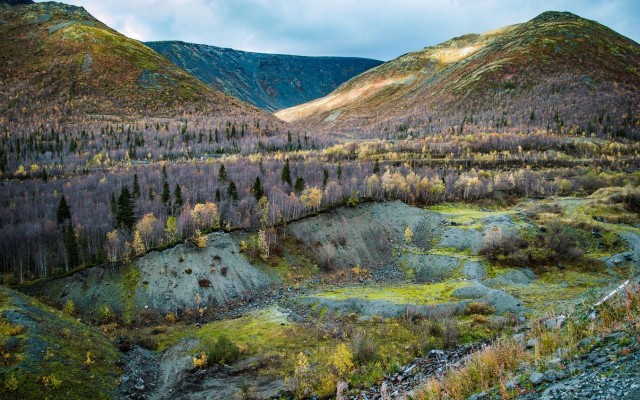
(556,71)
(47,354)
(58,61)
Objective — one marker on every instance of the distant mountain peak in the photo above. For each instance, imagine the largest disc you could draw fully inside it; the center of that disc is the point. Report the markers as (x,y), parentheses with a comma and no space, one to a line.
(557,16)
(268,81)
(567,68)
(15,2)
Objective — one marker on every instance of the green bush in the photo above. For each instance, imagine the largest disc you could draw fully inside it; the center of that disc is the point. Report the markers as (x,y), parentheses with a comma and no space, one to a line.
(222,351)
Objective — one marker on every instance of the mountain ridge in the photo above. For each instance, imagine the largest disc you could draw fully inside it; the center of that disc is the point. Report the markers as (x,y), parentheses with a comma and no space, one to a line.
(556,58)
(59,61)
(268,81)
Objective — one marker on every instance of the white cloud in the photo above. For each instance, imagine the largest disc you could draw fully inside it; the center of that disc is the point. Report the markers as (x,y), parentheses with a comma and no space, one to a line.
(369,28)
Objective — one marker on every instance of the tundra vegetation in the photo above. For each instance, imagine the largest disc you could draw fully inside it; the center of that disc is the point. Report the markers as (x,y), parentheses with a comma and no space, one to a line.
(435,229)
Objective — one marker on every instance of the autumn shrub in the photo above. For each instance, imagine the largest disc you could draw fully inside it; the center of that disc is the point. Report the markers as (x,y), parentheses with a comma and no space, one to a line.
(69,308)
(479,308)
(364,349)
(481,371)
(631,201)
(221,351)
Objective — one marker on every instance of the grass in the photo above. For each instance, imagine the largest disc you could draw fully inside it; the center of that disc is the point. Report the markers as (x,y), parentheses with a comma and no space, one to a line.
(465,214)
(505,359)
(423,294)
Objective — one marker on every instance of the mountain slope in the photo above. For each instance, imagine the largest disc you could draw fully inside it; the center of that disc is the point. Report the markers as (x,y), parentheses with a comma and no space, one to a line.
(58,61)
(557,70)
(268,81)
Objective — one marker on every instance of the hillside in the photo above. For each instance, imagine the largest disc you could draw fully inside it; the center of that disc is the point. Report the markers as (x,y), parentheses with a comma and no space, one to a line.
(557,71)
(58,61)
(268,81)
(49,354)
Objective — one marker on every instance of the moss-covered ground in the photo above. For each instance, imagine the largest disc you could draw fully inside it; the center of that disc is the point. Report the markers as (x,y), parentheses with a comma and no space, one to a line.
(47,354)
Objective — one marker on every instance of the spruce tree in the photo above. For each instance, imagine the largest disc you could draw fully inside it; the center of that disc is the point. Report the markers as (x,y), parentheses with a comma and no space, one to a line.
(165,196)
(325,177)
(71,246)
(126,209)
(299,186)
(257,189)
(232,191)
(222,173)
(339,170)
(136,186)
(376,167)
(286,173)
(218,195)
(64,212)
(177,195)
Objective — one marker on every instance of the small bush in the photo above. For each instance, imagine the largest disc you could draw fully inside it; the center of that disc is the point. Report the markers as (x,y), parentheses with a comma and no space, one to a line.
(222,351)
(69,308)
(364,349)
(479,308)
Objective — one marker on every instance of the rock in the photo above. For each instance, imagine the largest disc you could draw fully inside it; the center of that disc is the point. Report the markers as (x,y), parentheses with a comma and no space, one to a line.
(550,376)
(536,378)
(531,343)
(555,323)
(554,363)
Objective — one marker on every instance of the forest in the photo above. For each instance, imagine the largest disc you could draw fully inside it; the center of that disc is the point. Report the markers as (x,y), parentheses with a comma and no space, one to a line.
(132,188)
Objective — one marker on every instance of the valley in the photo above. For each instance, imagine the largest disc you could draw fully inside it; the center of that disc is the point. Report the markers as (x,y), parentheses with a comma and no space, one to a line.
(182,221)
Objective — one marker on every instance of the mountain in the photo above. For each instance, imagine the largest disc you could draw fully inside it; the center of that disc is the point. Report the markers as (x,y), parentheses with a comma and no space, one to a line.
(58,62)
(557,71)
(268,81)
(15,2)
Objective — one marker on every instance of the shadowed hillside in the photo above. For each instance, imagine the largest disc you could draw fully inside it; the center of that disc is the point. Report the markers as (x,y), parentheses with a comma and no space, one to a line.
(268,81)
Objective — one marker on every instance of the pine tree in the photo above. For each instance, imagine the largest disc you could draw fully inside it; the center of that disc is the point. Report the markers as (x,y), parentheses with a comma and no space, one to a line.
(325,177)
(286,173)
(257,189)
(232,191)
(376,167)
(64,212)
(222,173)
(339,170)
(177,194)
(136,186)
(71,247)
(126,209)
(299,186)
(218,195)
(165,196)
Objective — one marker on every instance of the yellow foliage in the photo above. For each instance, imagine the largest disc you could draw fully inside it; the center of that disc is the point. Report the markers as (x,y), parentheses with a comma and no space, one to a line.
(11,384)
(69,308)
(311,198)
(408,234)
(200,361)
(200,240)
(342,360)
(88,361)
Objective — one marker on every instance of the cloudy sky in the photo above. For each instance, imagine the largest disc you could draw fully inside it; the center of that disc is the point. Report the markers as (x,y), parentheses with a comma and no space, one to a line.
(382,29)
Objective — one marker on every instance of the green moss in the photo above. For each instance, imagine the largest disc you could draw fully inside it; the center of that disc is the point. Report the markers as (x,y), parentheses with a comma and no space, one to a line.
(130,281)
(423,294)
(54,348)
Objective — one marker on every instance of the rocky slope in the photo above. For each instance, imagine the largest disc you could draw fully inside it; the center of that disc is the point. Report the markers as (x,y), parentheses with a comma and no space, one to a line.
(268,81)
(58,61)
(557,71)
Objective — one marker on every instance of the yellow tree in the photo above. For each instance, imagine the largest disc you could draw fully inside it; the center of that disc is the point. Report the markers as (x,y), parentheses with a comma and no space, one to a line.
(145,227)
(205,216)
(311,198)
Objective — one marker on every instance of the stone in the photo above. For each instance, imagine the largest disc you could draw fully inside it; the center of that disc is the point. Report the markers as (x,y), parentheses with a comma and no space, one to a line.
(536,378)
(555,323)
(531,343)
(554,363)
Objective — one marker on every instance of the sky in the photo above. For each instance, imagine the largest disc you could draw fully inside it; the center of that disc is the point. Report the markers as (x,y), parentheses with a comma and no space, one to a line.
(380,29)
